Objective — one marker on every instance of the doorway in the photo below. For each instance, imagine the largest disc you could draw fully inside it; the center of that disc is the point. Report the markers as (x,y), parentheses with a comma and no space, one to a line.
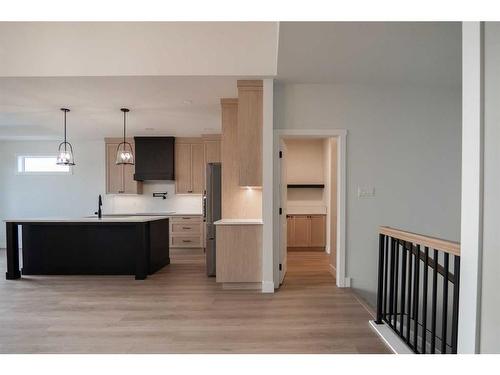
(310,194)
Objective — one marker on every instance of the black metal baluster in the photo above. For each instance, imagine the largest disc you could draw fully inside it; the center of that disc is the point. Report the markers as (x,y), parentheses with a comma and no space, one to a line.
(456,293)
(445,304)
(396,281)
(386,272)
(434,298)
(391,286)
(403,290)
(416,287)
(424,300)
(408,317)
(380,278)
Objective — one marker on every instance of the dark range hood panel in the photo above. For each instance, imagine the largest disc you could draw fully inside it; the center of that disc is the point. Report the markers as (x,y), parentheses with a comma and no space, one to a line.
(154,158)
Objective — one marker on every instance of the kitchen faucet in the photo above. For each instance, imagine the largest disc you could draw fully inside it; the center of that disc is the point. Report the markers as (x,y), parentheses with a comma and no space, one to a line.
(99,211)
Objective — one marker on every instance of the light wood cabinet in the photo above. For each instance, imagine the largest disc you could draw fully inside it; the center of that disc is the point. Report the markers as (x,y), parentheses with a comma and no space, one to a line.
(186,232)
(306,230)
(212,148)
(119,178)
(317,233)
(189,166)
(239,255)
(301,231)
(250,122)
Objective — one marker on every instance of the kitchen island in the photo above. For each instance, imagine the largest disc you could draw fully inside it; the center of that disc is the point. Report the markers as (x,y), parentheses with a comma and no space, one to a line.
(124,245)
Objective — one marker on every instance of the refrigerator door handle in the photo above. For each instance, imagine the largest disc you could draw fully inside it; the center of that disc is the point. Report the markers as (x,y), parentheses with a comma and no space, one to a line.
(205,205)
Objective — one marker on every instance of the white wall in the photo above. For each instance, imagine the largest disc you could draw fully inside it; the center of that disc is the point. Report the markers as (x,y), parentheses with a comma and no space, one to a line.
(305,165)
(74,195)
(404,142)
(490,280)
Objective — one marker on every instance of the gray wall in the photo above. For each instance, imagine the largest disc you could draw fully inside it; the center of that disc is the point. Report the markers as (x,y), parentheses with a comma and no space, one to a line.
(405,142)
(490,305)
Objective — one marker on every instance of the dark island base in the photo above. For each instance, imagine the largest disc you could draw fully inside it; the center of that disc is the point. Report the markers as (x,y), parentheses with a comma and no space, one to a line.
(75,248)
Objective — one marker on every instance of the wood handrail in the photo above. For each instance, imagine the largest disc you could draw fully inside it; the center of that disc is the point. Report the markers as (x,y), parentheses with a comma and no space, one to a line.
(419,239)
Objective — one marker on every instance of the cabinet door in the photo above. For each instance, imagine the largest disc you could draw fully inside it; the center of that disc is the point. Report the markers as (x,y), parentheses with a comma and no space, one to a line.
(197,168)
(183,168)
(114,173)
(290,235)
(301,224)
(212,151)
(318,230)
(130,186)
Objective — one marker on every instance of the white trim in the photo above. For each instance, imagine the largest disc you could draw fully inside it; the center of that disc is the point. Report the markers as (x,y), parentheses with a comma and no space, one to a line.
(341,135)
(472,189)
(267,188)
(390,338)
(267,287)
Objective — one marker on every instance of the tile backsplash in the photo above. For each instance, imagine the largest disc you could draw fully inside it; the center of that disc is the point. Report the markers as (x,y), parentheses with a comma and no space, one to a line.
(145,202)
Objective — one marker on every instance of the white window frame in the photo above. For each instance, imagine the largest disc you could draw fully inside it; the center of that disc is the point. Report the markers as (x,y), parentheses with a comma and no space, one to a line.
(19,168)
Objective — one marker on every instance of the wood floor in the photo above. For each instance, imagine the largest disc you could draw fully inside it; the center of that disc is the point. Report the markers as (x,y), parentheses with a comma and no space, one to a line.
(180,310)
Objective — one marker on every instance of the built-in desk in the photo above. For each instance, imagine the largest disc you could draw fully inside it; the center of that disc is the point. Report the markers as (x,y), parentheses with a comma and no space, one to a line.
(239,253)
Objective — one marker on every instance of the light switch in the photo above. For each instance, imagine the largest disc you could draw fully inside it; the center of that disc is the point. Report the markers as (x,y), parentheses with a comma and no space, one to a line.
(366,192)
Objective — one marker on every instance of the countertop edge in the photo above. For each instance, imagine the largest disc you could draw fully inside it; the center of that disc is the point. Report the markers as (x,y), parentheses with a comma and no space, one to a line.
(239,222)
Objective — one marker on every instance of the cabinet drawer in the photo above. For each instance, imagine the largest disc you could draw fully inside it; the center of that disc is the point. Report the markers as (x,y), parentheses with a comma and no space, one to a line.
(186,228)
(186,241)
(186,219)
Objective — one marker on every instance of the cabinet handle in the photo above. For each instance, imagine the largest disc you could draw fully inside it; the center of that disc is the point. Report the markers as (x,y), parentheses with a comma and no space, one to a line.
(121,191)
(190,191)
(186,218)
(186,240)
(186,227)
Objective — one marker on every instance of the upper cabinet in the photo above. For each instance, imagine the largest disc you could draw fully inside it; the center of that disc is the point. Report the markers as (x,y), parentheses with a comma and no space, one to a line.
(119,178)
(189,165)
(211,143)
(191,158)
(154,158)
(250,95)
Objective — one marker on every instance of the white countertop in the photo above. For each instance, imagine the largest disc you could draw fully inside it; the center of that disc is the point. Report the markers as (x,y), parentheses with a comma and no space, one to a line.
(306,210)
(105,219)
(239,222)
(166,213)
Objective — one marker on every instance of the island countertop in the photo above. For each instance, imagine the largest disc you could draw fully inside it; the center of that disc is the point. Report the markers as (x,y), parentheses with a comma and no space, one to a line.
(93,219)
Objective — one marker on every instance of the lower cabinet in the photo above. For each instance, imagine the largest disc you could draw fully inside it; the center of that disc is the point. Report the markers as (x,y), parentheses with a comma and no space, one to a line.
(306,230)
(186,232)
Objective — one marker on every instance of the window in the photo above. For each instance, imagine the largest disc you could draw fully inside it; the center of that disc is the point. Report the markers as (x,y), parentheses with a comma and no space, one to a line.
(40,165)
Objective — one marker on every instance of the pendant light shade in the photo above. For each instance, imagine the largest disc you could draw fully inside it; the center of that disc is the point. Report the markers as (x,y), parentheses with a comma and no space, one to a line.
(124,153)
(65,151)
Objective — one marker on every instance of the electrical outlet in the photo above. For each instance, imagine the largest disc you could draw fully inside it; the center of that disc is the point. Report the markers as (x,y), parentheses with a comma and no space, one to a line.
(366,192)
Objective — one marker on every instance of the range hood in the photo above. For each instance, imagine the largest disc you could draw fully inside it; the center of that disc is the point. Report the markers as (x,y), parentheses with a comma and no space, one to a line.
(154,158)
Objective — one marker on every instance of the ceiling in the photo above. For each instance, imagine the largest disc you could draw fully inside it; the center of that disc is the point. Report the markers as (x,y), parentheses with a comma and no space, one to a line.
(411,53)
(172,75)
(179,106)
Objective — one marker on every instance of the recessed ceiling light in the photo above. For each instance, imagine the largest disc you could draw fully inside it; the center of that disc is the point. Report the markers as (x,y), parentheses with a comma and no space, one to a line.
(188,101)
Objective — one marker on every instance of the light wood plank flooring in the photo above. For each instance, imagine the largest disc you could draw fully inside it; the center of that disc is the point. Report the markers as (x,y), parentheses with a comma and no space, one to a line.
(180,310)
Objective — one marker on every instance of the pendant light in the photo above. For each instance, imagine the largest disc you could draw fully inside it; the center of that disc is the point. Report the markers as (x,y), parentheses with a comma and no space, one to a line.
(65,152)
(124,154)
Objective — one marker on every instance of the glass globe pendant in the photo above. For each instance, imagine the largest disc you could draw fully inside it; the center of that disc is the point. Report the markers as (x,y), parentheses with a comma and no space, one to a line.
(124,153)
(65,151)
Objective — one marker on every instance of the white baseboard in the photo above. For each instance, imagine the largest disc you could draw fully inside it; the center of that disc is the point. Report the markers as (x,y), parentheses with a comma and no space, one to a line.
(267,287)
(390,338)
(347,282)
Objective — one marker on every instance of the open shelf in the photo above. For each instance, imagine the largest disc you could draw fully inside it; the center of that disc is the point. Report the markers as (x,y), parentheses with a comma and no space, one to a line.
(306,186)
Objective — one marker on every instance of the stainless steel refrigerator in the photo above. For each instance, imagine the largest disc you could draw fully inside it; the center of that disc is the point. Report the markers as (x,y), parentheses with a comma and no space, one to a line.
(212,212)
